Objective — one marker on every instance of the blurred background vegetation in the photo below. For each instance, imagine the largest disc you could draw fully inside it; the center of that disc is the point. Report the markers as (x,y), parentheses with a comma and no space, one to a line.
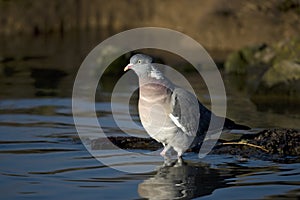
(45,41)
(217,24)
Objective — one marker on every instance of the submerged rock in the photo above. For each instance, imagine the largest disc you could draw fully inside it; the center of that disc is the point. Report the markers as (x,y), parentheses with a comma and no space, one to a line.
(125,143)
(280,145)
(284,142)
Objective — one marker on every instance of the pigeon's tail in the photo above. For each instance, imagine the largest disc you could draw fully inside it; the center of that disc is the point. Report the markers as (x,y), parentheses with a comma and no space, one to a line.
(205,118)
(229,124)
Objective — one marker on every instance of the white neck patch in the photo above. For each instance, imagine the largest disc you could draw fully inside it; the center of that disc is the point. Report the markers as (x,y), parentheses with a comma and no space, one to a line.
(154,73)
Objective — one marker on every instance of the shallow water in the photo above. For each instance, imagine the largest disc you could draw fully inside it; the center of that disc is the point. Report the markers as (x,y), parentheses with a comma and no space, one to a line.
(42,156)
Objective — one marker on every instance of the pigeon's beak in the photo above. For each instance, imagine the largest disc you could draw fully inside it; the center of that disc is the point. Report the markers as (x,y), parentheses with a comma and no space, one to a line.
(129,66)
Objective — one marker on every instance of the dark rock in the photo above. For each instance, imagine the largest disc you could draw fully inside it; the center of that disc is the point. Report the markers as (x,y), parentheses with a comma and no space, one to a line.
(282,142)
(125,143)
(280,145)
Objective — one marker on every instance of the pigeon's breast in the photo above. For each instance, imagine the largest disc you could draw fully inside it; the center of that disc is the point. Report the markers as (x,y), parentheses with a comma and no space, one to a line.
(154,110)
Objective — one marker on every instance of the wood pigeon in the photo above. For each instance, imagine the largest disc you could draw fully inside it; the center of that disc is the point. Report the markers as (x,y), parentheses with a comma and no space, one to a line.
(171,115)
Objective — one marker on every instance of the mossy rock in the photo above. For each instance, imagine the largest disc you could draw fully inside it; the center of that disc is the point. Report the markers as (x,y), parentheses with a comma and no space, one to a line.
(287,50)
(238,62)
(269,69)
(242,61)
(282,72)
(283,78)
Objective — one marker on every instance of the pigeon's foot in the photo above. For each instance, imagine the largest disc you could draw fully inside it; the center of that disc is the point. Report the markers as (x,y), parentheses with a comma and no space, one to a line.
(168,162)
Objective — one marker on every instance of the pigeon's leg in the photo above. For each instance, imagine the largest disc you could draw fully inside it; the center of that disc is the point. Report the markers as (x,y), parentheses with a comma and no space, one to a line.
(164,151)
(179,154)
(179,162)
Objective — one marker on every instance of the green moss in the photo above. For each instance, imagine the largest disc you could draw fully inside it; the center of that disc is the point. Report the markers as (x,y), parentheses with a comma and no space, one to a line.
(269,70)
(282,72)
(239,61)
(235,63)
(287,50)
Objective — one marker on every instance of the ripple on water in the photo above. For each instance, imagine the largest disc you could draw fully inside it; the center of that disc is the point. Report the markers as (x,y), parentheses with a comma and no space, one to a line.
(42,157)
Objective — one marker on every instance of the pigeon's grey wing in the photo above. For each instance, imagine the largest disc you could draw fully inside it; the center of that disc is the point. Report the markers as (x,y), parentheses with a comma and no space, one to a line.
(185,111)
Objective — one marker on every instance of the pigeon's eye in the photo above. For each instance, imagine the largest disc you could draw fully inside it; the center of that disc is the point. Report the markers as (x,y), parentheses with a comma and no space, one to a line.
(139,61)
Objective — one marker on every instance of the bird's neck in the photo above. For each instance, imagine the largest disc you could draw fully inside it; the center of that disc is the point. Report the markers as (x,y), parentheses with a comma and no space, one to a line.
(154,73)
(153,80)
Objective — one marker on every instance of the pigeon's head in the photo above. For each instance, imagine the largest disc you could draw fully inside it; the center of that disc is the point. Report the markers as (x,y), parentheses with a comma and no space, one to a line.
(139,63)
(140,59)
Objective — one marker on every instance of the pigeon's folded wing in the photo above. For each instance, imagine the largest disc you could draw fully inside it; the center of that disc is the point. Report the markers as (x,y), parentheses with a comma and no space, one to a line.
(185,111)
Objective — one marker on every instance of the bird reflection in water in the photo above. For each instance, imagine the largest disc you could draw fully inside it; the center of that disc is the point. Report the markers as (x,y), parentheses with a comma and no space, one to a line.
(183,181)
